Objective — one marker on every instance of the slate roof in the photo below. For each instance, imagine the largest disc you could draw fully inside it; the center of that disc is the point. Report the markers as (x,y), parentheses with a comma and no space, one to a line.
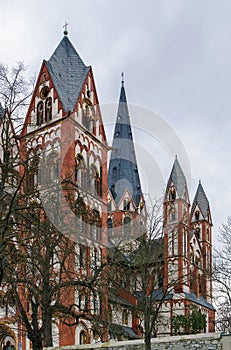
(201,200)
(148,252)
(200,301)
(113,297)
(123,171)
(68,73)
(177,177)
(119,329)
(157,295)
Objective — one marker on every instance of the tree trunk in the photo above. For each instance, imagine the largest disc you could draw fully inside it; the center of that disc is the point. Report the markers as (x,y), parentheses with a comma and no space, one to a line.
(47,328)
(147,342)
(147,328)
(36,340)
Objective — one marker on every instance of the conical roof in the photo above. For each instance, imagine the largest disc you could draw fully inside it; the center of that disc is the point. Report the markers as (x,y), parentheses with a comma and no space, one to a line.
(123,171)
(178,179)
(201,201)
(68,73)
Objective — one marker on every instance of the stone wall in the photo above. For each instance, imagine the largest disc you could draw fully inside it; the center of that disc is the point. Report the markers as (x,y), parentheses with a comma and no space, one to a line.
(210,341)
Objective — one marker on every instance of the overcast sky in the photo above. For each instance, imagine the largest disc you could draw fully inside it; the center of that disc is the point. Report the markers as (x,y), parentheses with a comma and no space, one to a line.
(176,57)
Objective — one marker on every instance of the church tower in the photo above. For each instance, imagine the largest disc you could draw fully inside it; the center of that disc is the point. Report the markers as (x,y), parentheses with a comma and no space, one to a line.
(201,245)
(64,133)
(126,218)
(177,231)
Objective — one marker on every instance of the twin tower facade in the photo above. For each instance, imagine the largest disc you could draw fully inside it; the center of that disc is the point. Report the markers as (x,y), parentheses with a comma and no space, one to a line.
(108,189)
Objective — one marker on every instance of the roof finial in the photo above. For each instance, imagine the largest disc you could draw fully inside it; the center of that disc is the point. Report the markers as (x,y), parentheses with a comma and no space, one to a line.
(65,28)
(122,79)
(199,182)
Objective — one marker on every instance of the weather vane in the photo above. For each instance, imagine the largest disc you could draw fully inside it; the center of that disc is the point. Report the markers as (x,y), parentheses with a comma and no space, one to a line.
(65,28)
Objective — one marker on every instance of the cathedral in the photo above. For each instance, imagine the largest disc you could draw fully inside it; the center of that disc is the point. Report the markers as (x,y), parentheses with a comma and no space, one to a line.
(102,198)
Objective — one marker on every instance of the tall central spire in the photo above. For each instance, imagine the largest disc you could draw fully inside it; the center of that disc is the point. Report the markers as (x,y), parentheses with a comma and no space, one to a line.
(123,171)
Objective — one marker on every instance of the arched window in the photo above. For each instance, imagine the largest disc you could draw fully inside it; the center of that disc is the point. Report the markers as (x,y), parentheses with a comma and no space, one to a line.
(32,172)
(197,215)
(83,337)
(48,109)
(126,205)
(95,181)
(78,174)
(52,167)
(95,225)
(198,258)
(80,171)
(109,227)
(172,194)
(173,242)
(185,242)
(172,214)
(39,120)
(82,256)
(89,115)
(125,317)
(198,232)
(81,216)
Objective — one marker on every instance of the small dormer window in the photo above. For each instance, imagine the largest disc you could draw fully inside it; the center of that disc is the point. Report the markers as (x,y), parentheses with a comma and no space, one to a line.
(126,205)
(114,170)
(197,215)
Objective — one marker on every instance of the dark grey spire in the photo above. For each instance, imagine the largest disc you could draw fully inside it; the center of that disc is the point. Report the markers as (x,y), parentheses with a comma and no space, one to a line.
(202,201)
(123,171)
(68,73)
(178,179)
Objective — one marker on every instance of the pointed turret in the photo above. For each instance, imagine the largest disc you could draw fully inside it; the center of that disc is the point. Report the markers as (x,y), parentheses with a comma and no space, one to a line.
(123,171)
(200,204)
(68,73)
(177,179)
(177,230)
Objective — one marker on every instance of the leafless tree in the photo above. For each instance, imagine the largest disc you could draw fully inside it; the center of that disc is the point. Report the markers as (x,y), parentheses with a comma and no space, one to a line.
(141,273)
(46,274)
(221,277)
(50,275)
(14,93)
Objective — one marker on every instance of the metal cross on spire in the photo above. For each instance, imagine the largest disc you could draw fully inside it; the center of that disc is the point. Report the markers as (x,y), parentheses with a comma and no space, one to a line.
(65,28)
(122,79)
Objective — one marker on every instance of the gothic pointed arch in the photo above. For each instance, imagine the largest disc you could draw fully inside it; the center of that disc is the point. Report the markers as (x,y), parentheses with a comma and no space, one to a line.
(52,166)
(95,225)
(81,173)
(48,109)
